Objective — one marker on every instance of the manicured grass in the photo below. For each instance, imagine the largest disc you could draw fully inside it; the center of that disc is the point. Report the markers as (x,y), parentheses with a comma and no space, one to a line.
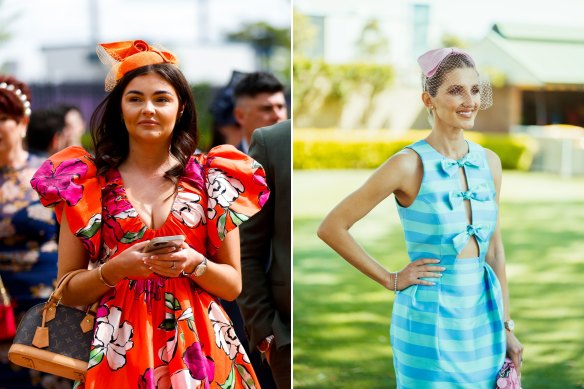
(341,318)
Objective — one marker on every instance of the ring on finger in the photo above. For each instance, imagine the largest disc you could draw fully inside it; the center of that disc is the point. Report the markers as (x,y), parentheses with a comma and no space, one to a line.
(173,267)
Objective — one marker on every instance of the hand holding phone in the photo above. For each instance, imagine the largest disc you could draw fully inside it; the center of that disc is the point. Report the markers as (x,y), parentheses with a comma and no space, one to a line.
(162,242)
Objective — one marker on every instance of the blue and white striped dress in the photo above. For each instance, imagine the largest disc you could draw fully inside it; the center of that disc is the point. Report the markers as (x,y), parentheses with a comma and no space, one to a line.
(450,335)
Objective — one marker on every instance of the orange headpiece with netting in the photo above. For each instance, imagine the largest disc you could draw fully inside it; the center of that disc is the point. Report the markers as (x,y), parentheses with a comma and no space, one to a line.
(126,56)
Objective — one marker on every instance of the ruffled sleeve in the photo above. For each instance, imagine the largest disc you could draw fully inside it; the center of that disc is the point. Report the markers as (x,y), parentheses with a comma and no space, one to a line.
(236,189)
(68,182)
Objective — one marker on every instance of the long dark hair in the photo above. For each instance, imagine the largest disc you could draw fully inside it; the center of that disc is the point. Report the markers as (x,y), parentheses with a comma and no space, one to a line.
(110,136)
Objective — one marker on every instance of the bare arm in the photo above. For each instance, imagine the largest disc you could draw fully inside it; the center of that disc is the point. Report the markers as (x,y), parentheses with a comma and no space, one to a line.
(496,254)
(223,275)
(86,288)
(402,175)
(496,259)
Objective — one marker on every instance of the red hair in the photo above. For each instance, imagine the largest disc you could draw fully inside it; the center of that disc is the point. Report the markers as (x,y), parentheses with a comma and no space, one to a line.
(12,103)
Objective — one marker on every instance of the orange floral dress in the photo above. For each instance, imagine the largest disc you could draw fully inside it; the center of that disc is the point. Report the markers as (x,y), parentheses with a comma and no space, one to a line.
(158,332)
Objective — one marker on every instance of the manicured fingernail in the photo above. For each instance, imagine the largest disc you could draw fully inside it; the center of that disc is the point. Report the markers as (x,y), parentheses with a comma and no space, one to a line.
(153,257)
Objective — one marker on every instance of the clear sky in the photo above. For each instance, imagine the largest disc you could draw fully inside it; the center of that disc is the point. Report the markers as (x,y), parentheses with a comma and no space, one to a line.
(38,23)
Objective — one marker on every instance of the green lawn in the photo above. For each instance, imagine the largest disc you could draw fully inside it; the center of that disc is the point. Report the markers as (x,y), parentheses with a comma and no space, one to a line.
(341,318)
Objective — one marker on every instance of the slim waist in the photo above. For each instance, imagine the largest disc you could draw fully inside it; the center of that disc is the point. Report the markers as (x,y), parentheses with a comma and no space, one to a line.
(466,267)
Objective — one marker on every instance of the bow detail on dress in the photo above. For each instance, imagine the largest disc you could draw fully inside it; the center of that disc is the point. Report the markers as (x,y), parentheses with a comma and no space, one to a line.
(450,166)
(481,232)
(479,193)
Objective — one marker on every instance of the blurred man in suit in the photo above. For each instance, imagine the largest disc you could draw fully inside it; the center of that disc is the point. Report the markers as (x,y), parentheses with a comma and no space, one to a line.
(259,102)
(265,301)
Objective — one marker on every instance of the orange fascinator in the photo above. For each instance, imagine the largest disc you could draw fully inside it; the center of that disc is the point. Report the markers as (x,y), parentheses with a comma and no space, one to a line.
(126,56)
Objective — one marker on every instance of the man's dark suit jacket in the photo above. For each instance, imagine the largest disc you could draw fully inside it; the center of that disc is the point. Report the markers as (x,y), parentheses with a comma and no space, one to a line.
(265,301)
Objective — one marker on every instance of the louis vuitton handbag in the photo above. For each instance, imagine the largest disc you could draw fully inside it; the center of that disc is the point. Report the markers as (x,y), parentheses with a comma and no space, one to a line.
(55,338)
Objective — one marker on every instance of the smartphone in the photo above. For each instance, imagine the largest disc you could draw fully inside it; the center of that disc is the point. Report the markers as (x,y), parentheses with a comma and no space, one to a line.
(162,242)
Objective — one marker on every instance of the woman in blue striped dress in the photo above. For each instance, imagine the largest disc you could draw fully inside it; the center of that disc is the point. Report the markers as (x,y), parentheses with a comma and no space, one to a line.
(450,323)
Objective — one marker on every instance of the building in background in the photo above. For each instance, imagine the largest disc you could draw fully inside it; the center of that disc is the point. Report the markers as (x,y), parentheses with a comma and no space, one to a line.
(540,69)
(534,62)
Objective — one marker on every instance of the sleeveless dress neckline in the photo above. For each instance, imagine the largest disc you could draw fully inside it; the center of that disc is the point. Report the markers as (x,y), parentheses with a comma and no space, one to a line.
(442,155)
(450,335)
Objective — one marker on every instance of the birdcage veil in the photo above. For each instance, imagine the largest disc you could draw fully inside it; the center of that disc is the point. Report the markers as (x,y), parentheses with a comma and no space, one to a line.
(438,64)
(112,63)
(115,54)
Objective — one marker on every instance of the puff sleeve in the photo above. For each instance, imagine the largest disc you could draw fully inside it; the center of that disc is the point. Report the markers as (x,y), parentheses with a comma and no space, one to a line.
(236,189)
(68,181)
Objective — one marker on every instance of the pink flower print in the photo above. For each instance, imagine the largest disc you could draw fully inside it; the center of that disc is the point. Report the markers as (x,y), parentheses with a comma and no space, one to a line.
(158,378)
(263,198)
(222,190)
(146,381)
(170,323)
(199,365)
(102,311)
(150,287)
(182,379)
(87,232)
(112,339)
(54,185)
(111,233)
(259,179)
(188,209)
(194,174)
(225,337)
(115,202)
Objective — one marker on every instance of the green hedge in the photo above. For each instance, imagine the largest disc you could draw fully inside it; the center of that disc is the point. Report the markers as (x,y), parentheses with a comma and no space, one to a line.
(364,149)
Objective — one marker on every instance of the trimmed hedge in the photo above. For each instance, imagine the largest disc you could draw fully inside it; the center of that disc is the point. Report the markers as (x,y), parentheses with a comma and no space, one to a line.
(365,149)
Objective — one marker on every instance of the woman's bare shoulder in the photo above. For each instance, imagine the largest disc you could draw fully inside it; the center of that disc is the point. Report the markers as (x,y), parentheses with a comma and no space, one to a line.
(406,162)
(399,173)
(494,161)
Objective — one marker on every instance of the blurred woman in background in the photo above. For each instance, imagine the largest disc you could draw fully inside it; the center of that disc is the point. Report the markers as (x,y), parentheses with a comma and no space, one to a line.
(28,250)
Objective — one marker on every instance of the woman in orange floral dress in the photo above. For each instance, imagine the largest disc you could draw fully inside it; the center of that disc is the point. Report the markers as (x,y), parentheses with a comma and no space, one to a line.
(159,323)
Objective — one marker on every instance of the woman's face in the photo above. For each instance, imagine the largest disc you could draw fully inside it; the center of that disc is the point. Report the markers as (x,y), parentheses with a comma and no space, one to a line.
(150,108)
(11,133)
(457,100)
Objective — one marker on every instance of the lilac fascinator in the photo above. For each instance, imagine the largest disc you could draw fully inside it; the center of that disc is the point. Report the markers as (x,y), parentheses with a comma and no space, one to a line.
(430,60)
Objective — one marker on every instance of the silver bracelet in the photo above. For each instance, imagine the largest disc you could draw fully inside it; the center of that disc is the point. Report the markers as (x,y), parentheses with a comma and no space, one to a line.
(395,282)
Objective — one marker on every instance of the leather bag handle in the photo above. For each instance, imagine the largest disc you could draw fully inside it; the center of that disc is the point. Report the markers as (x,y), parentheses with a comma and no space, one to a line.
(58,292)
(41,337)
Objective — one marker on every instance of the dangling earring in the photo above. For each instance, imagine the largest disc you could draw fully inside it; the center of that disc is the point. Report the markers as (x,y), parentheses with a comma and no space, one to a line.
(23,134)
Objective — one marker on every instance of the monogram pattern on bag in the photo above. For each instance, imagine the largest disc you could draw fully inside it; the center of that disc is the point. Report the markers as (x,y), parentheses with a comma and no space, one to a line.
(65,334)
